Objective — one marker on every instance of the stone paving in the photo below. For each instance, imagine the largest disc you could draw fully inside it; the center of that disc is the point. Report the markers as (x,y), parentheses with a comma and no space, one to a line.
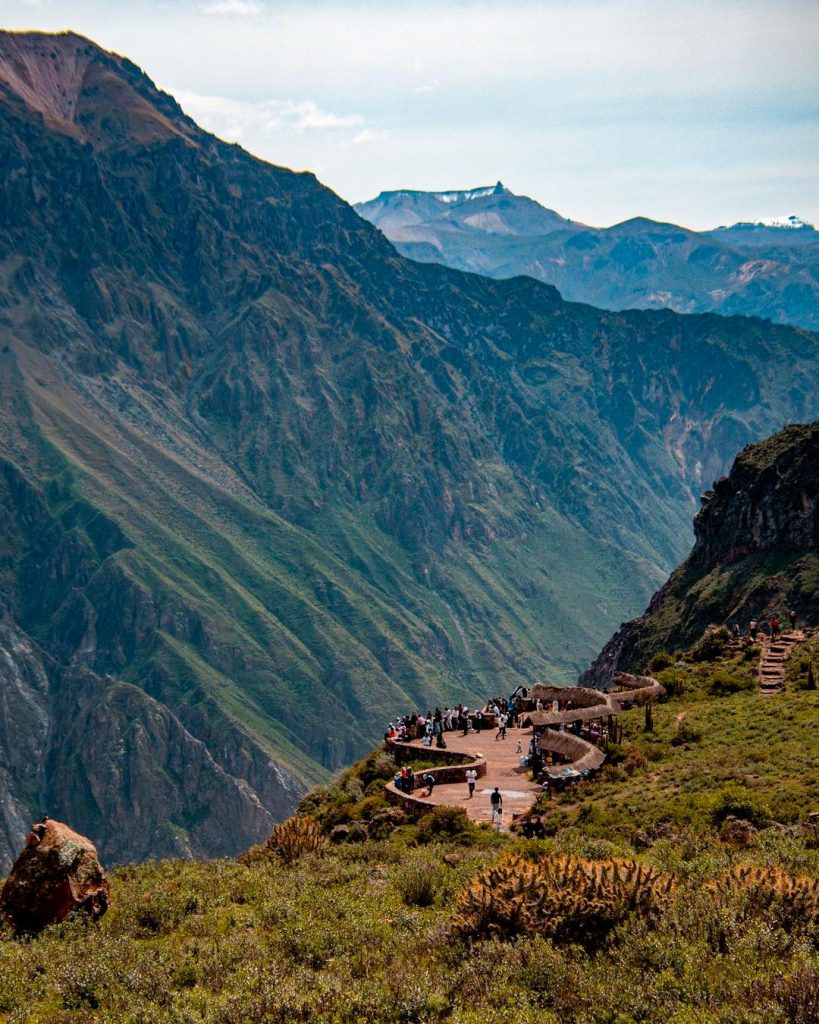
(502,770)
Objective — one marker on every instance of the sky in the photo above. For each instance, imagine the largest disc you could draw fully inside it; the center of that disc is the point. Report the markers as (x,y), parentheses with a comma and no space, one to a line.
(698,112)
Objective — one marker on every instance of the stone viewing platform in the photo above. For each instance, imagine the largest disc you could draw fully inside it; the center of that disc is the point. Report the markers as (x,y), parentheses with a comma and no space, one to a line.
(554,736)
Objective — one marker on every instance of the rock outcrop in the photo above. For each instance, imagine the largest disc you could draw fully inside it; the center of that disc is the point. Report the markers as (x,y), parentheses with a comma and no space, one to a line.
(756,555)
(58,873)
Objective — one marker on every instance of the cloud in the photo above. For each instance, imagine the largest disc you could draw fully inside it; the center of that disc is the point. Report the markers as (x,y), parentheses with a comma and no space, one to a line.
(370,135)
(421,89)
(236,8)
(236,119)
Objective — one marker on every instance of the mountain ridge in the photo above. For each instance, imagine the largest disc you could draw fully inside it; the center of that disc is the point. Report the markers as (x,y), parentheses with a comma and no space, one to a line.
(753,269)
(267,482)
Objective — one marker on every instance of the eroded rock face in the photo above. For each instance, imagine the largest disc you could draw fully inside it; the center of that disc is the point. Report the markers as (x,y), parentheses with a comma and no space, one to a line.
(58,872)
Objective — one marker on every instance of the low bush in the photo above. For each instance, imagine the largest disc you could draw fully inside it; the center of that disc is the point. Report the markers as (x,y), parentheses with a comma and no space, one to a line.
(686,734)
(443,821)
(711,645)
(741,803)
(660,661)
(724,682)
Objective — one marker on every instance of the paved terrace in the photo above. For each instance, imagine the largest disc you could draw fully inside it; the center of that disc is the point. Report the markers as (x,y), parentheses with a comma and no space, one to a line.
(502,770)
(497,762)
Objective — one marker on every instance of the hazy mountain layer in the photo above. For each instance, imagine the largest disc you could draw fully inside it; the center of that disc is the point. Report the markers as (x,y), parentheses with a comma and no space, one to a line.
(749,269)
(266,483)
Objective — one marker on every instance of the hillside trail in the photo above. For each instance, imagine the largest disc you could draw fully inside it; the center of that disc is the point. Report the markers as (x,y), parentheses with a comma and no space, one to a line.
(502,770)
(773,660)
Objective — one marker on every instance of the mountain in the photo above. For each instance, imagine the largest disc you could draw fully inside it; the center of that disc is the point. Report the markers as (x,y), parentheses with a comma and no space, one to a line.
(766,269)
(491,209)
(756,555)
(264,483)
(771,233)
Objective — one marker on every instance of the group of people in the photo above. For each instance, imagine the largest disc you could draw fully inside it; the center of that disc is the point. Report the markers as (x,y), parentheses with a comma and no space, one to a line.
(774,625)
(406,781)
(432,727)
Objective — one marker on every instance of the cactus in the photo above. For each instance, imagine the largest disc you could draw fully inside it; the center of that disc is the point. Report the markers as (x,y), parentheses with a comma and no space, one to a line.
(563,898)
(794,900)
(295,837)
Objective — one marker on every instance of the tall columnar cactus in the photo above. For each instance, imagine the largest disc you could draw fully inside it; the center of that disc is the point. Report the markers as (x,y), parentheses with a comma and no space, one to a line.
(564,898)
(295,837)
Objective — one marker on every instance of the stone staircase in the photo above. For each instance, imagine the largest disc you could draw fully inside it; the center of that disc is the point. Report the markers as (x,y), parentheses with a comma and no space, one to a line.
(773,658)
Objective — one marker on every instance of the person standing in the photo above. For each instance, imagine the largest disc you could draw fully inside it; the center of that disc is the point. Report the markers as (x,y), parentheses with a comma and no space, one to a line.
(496,804)
(752,628)
(774,628)
(501,733)
(471,779)
(478,720)
(792,617)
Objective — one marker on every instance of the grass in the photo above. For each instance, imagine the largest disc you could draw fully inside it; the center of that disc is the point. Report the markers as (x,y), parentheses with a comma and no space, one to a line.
(363,931)
(717,738)
(361,934)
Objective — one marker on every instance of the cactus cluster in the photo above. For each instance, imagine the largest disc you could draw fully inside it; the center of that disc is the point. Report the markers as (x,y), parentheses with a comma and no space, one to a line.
(563,898)
(296,837)
(793,899)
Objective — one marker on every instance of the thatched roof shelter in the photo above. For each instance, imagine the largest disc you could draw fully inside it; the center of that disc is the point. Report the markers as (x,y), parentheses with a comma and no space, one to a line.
(635,689)
(584,756)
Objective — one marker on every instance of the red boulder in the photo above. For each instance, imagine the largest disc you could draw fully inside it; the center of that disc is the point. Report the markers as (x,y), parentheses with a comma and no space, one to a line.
(58,872)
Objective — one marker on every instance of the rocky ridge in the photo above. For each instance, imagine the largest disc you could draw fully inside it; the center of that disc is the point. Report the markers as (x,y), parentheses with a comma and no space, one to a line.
(756,555)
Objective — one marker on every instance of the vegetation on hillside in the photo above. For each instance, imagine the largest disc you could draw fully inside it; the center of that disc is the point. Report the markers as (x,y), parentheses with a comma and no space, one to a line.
(681,885)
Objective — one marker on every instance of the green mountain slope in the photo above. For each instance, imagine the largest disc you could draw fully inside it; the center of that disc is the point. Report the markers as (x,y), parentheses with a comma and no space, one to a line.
(265,482)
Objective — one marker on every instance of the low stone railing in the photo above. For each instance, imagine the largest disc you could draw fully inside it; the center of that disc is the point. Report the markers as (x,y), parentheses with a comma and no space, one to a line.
(445,774)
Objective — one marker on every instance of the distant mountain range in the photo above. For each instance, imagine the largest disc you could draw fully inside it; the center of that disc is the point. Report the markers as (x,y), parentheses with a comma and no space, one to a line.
(265,483)
(767,268)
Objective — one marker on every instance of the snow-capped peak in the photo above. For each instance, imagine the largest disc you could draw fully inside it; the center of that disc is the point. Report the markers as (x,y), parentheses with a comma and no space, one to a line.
(472,193)
(784,222)
(791,222)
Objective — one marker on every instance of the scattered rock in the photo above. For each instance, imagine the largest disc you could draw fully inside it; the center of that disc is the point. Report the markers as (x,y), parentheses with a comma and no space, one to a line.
(355,832)
(57,873)
(738,833)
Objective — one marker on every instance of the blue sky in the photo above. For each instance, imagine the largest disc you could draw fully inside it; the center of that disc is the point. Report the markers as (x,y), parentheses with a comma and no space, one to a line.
(700,112)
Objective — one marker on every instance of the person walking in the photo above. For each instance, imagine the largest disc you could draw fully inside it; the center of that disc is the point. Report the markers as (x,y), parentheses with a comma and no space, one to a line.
(752,628)
(429,782)
(774,628)
(501,733)
(496,803)
(792,617)
(471,779)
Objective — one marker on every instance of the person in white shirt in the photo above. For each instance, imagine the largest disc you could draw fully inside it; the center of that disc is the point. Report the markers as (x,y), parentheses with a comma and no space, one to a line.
(471,779)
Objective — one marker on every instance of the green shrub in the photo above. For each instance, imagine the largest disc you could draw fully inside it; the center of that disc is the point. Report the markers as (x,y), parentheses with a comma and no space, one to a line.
(444,821)
(660,661)
(741,803)
(711,645)
(723,682)
(419,880)
(686,734)
(673,681)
